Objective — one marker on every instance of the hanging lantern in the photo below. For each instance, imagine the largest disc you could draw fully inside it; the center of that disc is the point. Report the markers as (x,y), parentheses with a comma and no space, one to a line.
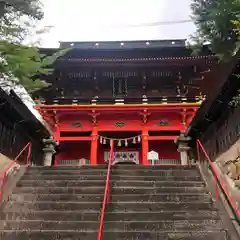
(104,141)
(119,143)
(126,143)
(134,140)
(139,139)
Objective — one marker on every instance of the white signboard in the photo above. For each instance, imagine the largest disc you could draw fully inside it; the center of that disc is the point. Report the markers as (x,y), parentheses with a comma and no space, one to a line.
(152,155)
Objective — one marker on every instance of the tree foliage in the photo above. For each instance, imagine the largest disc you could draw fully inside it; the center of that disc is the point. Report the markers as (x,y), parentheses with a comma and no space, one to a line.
(18,62)
(17,17)
(22,63)
(218,23)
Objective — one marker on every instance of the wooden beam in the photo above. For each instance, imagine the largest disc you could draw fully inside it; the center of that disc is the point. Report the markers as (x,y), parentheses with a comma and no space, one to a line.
(125,107)
(169,138)
(126,129)
(64,139)
(75,129)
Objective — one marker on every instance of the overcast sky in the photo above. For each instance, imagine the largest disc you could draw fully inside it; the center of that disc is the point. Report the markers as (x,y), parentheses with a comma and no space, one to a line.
(108,20)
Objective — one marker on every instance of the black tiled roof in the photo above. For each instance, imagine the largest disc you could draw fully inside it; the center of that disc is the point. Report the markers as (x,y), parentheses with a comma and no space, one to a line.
(17,111)
(125,44)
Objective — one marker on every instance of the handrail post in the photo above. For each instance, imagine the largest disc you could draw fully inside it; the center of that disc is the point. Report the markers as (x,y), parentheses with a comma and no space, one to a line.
(2,184)
(198,152)
(106,197)
(29,153)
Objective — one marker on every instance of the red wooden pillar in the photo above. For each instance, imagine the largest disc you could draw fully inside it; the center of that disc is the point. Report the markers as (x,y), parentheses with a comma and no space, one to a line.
(94,147)
(57,133)
(145,147)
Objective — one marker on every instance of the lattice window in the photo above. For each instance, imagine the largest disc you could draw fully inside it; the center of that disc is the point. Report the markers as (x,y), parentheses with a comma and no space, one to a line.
(74,162)
(119,86)
(132,156)
(164,162)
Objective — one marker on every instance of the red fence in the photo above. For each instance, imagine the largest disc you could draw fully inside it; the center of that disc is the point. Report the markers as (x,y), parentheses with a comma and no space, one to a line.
(217,177)
(106,198)
(3,176)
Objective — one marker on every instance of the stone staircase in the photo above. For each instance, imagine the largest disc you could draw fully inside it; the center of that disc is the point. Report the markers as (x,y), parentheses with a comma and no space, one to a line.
(146,203)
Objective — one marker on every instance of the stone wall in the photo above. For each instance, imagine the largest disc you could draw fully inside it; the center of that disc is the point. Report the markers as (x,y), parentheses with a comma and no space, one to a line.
(222,142)
(222,134)
(229,163)
(4,163)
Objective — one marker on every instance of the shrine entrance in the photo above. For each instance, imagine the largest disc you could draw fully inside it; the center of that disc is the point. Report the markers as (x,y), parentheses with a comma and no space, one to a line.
(127,147)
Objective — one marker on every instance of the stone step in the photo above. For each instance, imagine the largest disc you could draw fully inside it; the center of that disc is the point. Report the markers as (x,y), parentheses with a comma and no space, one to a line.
(116,235)
(158,206)
(128,172)
(110,216)
(114,190)
(122,183)
(114,197)
(117,206)
(118,166)
(113,177)
(165,225)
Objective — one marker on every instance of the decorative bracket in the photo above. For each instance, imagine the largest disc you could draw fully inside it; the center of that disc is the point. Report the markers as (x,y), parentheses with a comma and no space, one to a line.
(164,122)
(119,124)
(49,117)
(144,116)
(76,125)
(94,115)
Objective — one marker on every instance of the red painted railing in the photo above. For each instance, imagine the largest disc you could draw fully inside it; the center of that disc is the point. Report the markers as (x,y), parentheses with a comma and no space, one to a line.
(106,198)
(217,177)
(3,176)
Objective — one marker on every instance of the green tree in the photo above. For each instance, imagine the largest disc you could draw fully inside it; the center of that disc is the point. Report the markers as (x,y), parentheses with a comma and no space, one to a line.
(20,63)
(237,27)
(217,23)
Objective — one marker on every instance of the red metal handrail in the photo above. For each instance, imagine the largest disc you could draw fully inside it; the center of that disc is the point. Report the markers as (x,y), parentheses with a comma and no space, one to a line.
(217,178)
(106,198)
(4,173)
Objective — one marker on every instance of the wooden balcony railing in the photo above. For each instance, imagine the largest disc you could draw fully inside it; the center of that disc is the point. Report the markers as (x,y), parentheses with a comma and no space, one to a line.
(122,100)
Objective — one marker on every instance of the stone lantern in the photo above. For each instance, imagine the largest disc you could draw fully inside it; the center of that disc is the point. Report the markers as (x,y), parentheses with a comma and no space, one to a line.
(183,147)
(49,150)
